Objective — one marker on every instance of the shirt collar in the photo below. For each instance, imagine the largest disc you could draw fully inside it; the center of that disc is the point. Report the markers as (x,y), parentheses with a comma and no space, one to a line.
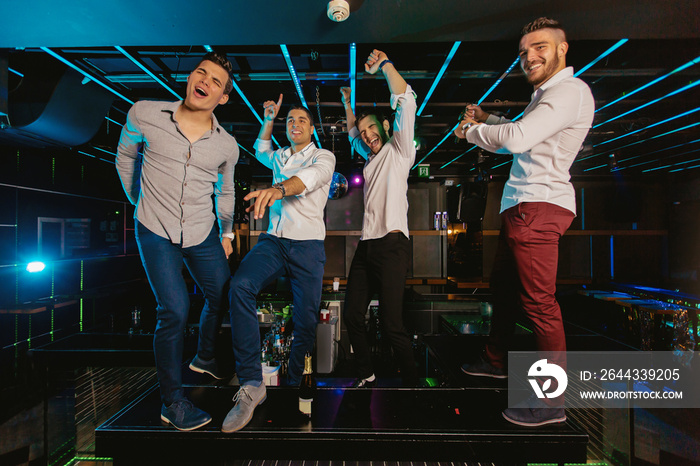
(566,73)
(287,152)
(171,107)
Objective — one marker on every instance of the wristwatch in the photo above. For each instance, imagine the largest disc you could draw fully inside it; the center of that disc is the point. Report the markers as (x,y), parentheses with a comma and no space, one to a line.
(280,186)
(228,235)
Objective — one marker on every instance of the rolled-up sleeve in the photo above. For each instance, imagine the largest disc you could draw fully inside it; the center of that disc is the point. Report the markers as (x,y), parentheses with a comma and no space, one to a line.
(264,152)
(404,123)
(319,173)
(357,143)
(128,161)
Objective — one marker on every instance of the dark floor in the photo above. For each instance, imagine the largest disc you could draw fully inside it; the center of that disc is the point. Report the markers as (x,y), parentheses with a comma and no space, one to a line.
(82,395)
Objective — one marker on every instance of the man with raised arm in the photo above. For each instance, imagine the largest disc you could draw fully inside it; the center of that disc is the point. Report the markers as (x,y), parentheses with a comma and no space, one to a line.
(537,207)
(383,255)
(292,246)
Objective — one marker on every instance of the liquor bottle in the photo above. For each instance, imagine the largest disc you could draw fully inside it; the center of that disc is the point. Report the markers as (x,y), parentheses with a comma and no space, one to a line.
(307,387)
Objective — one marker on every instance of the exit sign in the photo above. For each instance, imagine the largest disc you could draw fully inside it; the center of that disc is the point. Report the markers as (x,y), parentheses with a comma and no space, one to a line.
(424,171)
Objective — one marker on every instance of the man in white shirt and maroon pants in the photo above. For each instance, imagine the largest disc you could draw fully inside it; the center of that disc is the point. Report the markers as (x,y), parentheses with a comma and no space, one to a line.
(537,207)
(383,255)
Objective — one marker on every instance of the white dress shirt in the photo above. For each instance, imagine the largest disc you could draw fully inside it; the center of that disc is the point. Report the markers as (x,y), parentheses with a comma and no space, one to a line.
(544,142)
(386,173)
(298,217)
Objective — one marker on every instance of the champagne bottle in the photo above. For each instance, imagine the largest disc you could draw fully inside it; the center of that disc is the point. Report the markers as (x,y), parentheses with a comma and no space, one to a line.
(307,387)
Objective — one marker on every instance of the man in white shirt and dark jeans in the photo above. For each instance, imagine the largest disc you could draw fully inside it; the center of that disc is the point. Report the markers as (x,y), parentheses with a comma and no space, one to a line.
(537,207)
(383,255)
(292,246)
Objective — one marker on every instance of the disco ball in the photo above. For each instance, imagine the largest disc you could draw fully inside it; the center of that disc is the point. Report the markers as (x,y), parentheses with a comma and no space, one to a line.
(339,186)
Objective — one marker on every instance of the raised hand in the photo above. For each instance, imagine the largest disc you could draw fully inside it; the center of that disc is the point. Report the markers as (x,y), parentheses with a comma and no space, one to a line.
(346,92)
(272,108)
(374,60)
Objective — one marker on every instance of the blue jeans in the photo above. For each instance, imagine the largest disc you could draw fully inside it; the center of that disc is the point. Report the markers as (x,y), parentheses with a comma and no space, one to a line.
(209,268)
(272,257)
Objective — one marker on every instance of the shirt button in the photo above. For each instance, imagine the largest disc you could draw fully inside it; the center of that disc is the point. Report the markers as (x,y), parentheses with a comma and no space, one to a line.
(183,203)
(185,183)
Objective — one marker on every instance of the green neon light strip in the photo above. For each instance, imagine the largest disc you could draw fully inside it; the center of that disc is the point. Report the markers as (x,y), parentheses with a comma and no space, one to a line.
(524,328)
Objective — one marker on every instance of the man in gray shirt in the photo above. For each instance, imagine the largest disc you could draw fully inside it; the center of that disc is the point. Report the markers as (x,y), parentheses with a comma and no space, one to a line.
(187,156)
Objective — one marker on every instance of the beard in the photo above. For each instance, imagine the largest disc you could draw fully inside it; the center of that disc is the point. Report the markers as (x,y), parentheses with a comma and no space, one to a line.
(550,68)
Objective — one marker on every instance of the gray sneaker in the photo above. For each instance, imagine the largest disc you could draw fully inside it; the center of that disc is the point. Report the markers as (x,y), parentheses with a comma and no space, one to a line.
(247,398)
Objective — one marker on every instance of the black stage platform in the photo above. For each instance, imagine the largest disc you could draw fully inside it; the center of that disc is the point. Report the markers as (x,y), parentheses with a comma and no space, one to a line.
(390,424)
(460,421)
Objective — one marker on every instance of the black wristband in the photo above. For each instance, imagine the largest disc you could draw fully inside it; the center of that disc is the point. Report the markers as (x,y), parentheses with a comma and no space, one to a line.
(381,65)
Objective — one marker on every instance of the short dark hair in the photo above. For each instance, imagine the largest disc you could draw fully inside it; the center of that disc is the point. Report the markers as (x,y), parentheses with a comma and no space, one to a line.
(221,60)
(543,23)
(367,113)
(306,110)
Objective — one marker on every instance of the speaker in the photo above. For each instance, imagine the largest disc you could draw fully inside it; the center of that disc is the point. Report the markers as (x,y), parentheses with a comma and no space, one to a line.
(467,203)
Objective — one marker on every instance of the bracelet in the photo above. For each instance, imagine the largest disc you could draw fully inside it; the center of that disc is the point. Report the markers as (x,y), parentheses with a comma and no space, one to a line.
(280,186)
(381,65)
(466,127)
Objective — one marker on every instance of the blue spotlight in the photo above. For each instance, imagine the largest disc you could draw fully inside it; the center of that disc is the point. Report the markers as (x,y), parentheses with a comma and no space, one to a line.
(671,165)
(35,266)
(208,48)
(115,122)
(250,106)
(438,77)
(617,45)
(680,68)
(680,115)
(498,81)
(677,91)
(585,68)
(353,74)
(85,73)
(297,84)
(145,69)
(460,155)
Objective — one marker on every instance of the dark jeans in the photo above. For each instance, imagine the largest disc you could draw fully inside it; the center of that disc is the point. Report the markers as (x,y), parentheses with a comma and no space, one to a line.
(524,277)
(209,268)
(303,262)
(379,266)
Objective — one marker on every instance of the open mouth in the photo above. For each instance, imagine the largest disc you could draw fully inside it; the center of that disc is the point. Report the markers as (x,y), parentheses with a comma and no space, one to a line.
(201,92)
(534,67)
(374,143)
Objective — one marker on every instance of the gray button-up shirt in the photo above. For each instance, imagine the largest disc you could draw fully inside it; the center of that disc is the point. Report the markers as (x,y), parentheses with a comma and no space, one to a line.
(171,184)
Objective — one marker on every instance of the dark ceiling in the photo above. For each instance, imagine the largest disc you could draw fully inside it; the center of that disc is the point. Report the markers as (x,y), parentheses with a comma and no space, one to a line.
(169,38)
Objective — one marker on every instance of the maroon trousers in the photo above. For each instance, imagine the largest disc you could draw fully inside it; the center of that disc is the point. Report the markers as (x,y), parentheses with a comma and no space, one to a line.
(524,277)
